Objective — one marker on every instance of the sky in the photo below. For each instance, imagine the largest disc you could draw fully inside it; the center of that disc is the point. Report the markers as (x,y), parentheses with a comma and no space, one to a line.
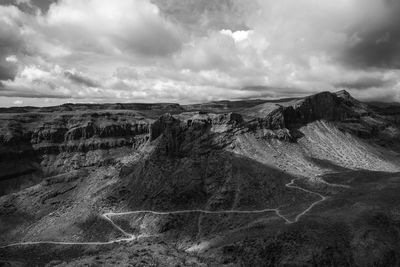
(191,51)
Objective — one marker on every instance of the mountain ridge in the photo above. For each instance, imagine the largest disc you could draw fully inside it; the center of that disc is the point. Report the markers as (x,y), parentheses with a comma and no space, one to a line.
(221,104)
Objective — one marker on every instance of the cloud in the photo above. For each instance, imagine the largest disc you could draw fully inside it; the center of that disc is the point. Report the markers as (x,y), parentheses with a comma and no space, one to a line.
(201,16)
(237,36)
(10,41)
(11,58)
(23,5)
(361,83)
(376,45)
(112,27)
(28,92)
(80,79)
(43,5)
(7,71)
(215,51)
(41,81)
(197,50)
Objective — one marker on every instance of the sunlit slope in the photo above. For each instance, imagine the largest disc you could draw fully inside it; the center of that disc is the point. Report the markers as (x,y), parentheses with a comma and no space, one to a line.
(321,148)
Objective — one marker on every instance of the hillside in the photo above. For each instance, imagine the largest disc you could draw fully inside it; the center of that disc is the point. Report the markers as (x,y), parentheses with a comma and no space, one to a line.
(291,182)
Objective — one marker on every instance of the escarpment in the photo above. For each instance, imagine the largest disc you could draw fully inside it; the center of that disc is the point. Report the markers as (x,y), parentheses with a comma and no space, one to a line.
(48,144)
(37,142)
(324,105)
(69,135)
(327,106)
(35,145)
(193,166)
(179,132)
(283,120)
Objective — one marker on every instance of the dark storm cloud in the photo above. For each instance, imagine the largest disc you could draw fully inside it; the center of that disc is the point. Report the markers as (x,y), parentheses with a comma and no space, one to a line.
(80,79)
(205,15)
(43,5)
(30,6)
(273,91)
(198,50)
(23,6)
(10,41)
(26,92)
(378,45)
(10,44)
(364,83)
(377,49)
(8,71)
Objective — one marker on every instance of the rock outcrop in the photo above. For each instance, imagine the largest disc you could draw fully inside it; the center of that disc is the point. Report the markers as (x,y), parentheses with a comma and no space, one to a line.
(44,144)
(326,106)
(47,141)
(349,114)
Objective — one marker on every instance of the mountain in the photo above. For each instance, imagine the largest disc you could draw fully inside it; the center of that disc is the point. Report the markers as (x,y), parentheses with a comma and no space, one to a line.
(310,181)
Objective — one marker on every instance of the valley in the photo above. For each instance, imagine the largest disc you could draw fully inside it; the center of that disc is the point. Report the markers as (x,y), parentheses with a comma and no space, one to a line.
(297,182)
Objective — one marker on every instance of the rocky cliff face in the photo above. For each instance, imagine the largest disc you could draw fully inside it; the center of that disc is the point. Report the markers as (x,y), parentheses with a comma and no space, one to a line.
(324,105)
(43,143)
(191,164)
(46,143)
(327,106)
(282,120)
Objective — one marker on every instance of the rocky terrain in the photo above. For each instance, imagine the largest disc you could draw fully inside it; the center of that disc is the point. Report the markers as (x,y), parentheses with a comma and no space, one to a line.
(294,182)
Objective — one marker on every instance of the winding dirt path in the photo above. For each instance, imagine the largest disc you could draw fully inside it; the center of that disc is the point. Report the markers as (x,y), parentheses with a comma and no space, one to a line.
(130,237)
(323,198)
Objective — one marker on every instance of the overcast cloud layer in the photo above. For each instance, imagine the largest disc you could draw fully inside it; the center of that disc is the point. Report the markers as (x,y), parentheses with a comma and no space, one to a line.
(188,51)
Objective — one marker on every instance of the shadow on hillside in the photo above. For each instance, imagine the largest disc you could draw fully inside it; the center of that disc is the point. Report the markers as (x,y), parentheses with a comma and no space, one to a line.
(217,180)
(360,177)
(9,220)
(20,167)
(327,164)
(203,175)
